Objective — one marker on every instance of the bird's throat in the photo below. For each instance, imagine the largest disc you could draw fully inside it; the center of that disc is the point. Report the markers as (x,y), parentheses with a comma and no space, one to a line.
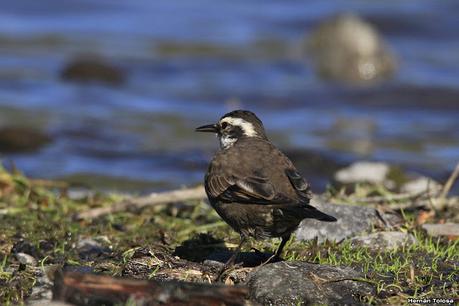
(227,141)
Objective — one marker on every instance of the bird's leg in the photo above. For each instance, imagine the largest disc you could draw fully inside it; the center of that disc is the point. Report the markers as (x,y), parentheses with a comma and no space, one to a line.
(276,256)
(285,239)
(232,259)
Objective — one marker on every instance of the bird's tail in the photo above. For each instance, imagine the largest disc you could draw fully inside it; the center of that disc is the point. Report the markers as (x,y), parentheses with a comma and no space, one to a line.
(313,213)
(318,215)
(304,211)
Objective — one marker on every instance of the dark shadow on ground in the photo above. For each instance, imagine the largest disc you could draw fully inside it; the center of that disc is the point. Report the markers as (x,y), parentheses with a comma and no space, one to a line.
(204,248)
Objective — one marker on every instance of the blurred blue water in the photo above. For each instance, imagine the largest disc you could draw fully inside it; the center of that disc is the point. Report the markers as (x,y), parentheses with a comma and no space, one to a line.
(143,129)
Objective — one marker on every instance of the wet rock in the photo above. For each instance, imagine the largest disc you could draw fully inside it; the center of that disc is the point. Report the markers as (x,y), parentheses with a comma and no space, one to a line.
(293,283)
(352,221)
(420,185)
(22,139)
(446,229)
(89,248)
(26,259)
(384,240)
(363,171)
(89,69)
(347,48)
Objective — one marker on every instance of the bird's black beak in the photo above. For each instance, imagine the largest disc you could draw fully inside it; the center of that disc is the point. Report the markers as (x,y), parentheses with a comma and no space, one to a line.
(210,128)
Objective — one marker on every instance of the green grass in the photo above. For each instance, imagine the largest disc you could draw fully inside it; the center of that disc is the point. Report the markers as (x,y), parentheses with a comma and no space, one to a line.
(39,221)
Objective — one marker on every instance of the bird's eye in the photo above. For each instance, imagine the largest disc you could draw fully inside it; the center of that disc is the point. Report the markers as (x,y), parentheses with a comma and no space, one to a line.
(224,125)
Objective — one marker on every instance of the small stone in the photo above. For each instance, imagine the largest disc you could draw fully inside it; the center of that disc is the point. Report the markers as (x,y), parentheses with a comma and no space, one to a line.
(89,248)
(446,229)
(294,283)
(420,185)
(358,172)
(384,240)
(26,259)
(78,269)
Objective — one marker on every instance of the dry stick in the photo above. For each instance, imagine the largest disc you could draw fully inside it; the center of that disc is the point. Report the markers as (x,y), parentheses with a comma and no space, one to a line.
(450,182)
(393,197)
(188,194)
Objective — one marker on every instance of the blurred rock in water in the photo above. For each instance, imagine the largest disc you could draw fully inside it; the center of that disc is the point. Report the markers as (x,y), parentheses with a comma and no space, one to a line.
(363,171)
(348,49)
(22,139)
(87,69)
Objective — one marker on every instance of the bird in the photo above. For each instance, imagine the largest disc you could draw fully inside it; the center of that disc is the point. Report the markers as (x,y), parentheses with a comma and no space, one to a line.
(253,186)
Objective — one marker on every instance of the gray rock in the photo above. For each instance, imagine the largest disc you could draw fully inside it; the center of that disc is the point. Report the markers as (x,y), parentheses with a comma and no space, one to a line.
(352,221)
(291,283)
(347,48)
(26,259)
(384,240)
(447,229)
(370,172)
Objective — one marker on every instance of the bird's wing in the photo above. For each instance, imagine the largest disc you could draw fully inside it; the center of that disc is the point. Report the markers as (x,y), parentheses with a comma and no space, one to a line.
(254,189)
(300,185)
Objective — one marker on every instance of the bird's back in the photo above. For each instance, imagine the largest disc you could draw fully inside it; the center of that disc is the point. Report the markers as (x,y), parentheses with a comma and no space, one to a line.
(258,158)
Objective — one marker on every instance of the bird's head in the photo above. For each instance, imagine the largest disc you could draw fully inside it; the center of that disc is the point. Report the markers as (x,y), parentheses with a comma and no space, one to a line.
(234,126)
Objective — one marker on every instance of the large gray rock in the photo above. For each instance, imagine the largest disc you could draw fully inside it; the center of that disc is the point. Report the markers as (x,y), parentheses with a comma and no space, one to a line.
(293,283)
(384,240)
(352,221)
(347,48)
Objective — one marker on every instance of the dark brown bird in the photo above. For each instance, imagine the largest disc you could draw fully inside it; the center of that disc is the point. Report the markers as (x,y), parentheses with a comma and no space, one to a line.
(252,185)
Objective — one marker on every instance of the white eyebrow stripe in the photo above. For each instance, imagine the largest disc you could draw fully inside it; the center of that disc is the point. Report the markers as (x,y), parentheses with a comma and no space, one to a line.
(247,127)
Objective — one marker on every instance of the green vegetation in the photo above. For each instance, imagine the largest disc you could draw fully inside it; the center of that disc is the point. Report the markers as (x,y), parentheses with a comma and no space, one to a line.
(169,241)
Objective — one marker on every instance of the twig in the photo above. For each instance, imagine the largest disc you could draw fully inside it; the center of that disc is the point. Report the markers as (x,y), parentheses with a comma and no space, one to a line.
(450,182)
(387,198)
(188,194)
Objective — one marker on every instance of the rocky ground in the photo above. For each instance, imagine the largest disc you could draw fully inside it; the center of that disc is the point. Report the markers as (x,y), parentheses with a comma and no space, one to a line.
(395,239)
